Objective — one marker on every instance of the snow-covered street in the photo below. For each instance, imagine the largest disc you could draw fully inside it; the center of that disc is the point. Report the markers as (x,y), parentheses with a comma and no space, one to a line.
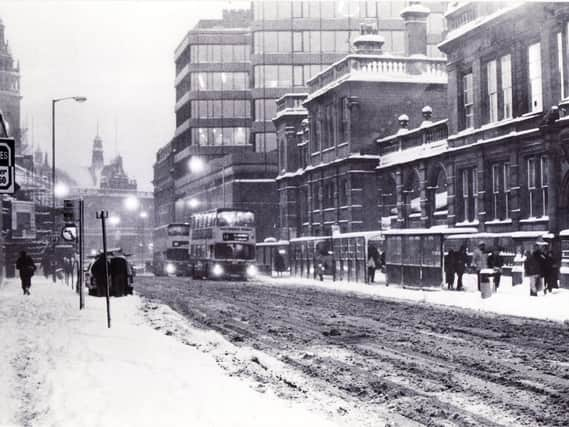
(63,367)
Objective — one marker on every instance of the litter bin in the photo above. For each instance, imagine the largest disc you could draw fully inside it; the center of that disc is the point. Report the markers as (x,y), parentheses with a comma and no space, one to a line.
(486,285)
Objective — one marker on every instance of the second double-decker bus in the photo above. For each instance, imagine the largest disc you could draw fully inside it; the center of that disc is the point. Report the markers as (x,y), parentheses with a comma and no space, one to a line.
(222,244)
(171,243)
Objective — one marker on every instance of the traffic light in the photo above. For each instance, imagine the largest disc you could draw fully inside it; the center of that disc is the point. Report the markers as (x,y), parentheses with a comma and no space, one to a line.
(68,211)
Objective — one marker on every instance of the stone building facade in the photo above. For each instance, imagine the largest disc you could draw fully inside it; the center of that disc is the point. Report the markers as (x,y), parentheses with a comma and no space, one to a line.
(327,153)
(500,161)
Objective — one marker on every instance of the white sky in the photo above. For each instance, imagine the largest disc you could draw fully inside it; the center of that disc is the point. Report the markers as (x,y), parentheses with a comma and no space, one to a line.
(120,55)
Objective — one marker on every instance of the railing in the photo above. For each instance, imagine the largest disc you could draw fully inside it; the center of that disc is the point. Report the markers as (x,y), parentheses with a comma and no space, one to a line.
(424,135)
(388,66)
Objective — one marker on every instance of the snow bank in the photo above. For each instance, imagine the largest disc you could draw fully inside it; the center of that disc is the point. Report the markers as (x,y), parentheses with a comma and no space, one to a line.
(509,300)
(64,367)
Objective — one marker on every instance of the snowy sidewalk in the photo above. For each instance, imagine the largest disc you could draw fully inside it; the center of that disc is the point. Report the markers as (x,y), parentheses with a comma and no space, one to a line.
(509,300)
(64,367)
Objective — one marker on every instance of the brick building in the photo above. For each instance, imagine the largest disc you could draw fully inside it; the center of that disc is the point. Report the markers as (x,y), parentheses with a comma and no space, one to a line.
(327,154)
(499,162)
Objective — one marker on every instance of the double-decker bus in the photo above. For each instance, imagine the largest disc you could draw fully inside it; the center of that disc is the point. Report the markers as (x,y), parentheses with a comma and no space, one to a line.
(171,242)
(222,244)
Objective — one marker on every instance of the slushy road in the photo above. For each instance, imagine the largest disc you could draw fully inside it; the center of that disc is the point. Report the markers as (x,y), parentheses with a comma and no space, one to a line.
(425,364)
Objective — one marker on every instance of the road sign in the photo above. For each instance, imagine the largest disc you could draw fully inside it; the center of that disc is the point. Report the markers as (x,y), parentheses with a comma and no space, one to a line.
(7,166)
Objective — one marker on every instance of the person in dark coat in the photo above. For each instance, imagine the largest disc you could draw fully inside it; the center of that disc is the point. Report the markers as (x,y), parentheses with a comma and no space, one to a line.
(27,268)
(496,262)
(279,264)
(450,265)
(533,269)
(460,260)
(551,272)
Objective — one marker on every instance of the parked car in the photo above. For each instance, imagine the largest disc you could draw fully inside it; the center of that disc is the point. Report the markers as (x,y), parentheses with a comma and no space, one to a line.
(120,271)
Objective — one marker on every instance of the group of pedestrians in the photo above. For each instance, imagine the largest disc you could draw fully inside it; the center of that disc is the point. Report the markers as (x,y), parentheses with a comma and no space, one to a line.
(456,262)
(541,269)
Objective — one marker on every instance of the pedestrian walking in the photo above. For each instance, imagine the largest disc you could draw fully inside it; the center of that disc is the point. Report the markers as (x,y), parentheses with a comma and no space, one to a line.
(496,262)
(479,260)
(279,264)
(67,269)
(460,265)
(533,269)
(371,265)
(450,265)
(25,264)
(551,272)
(45,263)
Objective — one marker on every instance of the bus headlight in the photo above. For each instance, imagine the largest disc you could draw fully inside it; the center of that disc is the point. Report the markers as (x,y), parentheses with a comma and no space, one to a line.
(170,268)
(217,270)
(252,270)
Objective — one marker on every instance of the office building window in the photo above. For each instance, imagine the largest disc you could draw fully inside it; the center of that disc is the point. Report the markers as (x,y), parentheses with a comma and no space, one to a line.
(297,41)
(467,101)
(265,142)
(272,41)
(227,108)
(506,81)
(492,91)
(220,136)
(265,109)
(273,76)
(273,10)
(219,81)
(534,67)
(219,53)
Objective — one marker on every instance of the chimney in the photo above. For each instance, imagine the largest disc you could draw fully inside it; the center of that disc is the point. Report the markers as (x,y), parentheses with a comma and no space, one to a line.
(369,41)
(415,18)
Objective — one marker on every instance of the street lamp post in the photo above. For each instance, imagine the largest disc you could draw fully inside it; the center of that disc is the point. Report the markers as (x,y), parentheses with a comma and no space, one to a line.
(197,165)
(53,102)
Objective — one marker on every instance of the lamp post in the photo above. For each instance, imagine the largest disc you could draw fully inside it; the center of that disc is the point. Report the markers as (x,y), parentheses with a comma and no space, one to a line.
(53,191)
(143,215)
(197,165)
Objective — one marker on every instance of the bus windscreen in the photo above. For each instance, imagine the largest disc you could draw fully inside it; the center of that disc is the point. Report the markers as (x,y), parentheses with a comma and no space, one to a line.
(178,230)
(234,251)
(235,219)
(177,254)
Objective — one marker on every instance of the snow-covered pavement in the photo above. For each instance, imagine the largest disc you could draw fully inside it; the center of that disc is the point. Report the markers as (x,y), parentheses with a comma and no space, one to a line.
(64,367)
(509,300)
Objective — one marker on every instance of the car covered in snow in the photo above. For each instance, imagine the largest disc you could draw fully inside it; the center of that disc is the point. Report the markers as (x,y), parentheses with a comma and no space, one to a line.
(121,274)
